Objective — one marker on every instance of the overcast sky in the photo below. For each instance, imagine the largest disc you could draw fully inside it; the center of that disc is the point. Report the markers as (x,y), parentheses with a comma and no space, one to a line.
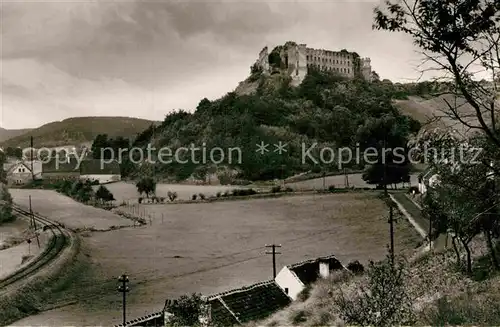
(144,59)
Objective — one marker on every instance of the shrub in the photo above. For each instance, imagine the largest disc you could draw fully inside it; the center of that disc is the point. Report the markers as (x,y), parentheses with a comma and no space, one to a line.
(202,196)
(331,188)
(162,199)
(194,197)
(186,310)
(304,294)
(356,267)
(276,189)
(172,196)
(243,192)
(139,200)
(384,302)
(298,316)
(289,189)
(218,194)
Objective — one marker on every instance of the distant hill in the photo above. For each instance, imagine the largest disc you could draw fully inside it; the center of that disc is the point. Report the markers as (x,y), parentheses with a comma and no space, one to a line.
(78,130)
(6,134)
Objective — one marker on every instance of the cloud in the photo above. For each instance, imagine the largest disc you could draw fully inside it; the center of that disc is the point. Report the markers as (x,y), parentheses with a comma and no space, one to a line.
(63,59)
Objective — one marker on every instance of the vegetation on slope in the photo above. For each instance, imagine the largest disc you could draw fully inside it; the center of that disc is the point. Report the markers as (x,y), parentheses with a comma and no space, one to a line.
(325,111)
(78,130)
(6,134)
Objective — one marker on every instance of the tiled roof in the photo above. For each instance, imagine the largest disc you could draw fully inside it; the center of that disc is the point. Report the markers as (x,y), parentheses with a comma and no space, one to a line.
(308,271)
(154,319)
(246,304)
(96,167)
(58,166)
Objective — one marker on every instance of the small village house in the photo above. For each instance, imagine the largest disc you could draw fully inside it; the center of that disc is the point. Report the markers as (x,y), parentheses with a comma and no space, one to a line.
(294,278)
(20,172)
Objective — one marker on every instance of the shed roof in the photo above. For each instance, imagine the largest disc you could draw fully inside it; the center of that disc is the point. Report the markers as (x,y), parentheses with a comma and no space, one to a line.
(99,167)
(246,304)
(308,271)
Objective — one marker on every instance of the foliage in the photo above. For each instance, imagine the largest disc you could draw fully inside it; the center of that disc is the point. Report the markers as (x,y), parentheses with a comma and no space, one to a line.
(458,38)
(103,194)
(186,310)
(5,205)
(384,302)
(146,185)
(172,196)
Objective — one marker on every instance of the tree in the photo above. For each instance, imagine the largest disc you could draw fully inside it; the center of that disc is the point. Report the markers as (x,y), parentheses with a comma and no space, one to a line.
(459,38)
(103,194)
(5,205)
(146,185)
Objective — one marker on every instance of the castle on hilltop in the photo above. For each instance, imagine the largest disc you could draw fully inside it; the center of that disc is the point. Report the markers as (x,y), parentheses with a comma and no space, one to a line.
(297,59)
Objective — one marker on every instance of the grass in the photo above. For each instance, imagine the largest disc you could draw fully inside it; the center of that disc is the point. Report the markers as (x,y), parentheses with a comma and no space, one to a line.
(63,209)
(213,247)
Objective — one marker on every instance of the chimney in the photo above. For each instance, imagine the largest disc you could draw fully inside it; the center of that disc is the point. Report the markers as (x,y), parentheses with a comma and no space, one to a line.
(324,268)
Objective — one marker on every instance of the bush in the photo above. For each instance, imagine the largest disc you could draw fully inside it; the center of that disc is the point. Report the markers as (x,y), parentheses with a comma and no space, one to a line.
(276,189)
(139,200)
(172,196)
(218,194)
(202,196)
(194,197)
(384,302)
(243,192)
(304,294)
(162,199)
(289,189)
(413,189)
(186,310)
(356,267)
(331,188)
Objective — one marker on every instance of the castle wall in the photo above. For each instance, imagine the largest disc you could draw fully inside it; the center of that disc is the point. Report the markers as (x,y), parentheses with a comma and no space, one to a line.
(299,58)
(334,61)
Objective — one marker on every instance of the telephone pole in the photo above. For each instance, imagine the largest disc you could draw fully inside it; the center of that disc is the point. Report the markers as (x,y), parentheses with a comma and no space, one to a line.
(274,253)
(123,288)
(391,224)
(33,223)
(31,149)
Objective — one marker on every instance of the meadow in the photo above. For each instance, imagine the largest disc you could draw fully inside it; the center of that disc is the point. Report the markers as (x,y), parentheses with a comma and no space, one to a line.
(65,210)
(212,247)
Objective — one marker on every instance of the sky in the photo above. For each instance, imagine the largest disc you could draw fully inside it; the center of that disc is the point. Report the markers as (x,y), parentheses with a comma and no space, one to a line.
(62,59)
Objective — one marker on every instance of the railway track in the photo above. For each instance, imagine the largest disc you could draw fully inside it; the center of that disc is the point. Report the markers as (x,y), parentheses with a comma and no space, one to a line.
(58,241)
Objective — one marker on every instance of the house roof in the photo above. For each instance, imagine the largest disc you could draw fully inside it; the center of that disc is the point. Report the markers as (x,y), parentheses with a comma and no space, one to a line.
(58,166)
(308,271)
(37,166)
(98,167)
(246,304)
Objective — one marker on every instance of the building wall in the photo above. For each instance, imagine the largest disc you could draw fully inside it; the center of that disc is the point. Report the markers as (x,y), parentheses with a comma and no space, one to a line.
(19,178)
(53,176)
(366,69)
(287,280)
(334,61)
(102,178)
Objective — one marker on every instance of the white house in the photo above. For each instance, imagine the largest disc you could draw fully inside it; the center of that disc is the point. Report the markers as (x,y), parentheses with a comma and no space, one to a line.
(294,278)
(20,173)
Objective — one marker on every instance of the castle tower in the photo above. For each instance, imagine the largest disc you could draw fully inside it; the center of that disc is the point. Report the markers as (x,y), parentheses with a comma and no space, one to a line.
(366,68)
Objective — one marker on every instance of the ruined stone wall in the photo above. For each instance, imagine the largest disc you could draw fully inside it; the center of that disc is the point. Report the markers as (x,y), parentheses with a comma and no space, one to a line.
(366,69)
(263,60)
(334,61)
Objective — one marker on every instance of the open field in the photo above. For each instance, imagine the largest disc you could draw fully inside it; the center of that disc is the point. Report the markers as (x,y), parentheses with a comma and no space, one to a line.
(338,181)
(212,247)
(125,191)
(65,210)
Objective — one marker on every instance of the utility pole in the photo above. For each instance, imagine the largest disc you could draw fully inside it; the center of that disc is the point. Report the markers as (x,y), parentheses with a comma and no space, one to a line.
(346,178)
(123,288)
(385,169)
(274,253)
(391,230)
(31,157)
(33,223)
